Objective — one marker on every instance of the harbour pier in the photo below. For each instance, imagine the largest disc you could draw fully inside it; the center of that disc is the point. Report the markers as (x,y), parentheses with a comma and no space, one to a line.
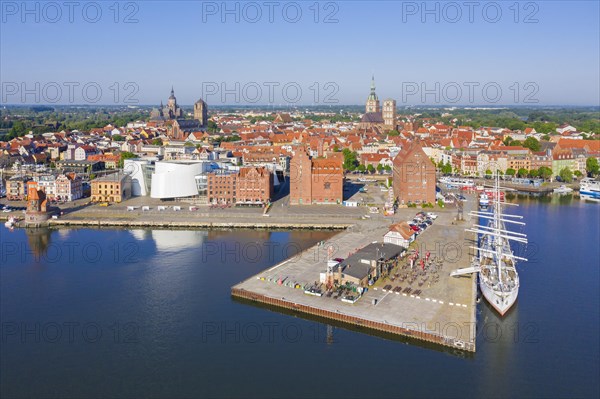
(443,313)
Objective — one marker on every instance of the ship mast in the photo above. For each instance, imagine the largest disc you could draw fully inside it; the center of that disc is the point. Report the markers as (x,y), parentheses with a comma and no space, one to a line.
(497,238)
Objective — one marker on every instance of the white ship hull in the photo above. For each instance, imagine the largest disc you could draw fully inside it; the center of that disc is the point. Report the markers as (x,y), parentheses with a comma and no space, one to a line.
(495,262)
(502,302)
(590,190)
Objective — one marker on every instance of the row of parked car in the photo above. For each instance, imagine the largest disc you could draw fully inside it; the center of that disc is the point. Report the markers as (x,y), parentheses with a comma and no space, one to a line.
(7,208)
(422,221)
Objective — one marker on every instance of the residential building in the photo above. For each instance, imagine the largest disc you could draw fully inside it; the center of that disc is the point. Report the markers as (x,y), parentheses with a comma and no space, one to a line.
(47,184)
(16,188)
(69,187)
(517,162)
(115,187)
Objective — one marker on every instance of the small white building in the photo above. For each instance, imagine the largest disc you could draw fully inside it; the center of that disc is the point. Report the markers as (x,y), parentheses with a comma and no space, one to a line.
(400,234)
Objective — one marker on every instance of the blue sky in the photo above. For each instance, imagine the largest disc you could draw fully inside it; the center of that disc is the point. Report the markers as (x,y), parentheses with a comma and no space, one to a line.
(549,52)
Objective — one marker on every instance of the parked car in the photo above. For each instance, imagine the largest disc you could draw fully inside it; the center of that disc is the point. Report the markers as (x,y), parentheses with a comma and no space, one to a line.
(432,215)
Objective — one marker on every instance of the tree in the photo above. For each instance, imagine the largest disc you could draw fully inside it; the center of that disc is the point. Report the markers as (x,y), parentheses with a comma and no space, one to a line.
(387,168)
(361,168)
(447,168)
(188,144)
(488,173)
(118,137)
(393,133)
(157,142)
(522,172)
(126,155)
(350,159)
(212,126)
(510,172)
(578,173)
(591,166)
(380,168)
(545,172)
(532,144)
(371,168)
(533,173)
(18,129)
(546,137)
(566,175)
(507,141)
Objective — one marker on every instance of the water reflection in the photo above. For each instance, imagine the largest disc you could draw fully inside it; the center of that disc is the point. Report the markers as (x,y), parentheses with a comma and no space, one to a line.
(39,240)
(171,240)
(498,338)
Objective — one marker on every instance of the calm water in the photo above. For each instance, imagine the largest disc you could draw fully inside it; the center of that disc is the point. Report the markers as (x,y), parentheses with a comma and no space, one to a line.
(90,313)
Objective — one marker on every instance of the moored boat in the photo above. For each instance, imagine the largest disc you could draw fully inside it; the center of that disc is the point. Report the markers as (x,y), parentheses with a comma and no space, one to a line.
(589,189)
(495,262)
(562,190)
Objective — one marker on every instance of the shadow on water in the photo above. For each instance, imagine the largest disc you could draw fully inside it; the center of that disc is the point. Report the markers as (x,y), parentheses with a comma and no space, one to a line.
(350,327)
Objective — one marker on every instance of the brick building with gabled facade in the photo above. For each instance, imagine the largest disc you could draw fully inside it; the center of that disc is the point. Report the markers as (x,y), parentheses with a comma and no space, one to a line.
(248,186)
(315,180)
(414,177)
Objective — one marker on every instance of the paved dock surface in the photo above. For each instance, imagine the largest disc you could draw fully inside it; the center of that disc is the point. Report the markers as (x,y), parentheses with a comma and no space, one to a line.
(443,313)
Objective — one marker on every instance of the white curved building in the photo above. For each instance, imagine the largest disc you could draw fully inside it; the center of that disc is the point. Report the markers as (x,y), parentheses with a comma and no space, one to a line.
(140,172)
(177,179)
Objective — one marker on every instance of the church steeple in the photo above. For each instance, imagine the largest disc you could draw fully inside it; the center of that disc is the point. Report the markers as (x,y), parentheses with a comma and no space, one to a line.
(372,95)
(372,100)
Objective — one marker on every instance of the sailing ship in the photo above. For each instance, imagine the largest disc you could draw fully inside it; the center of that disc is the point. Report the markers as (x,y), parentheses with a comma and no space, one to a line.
(495,262)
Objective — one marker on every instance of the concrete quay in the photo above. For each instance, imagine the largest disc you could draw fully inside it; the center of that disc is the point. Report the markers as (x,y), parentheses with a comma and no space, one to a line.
(443,313)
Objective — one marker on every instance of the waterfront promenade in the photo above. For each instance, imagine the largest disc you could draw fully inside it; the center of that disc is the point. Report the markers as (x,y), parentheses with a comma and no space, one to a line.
(442,313)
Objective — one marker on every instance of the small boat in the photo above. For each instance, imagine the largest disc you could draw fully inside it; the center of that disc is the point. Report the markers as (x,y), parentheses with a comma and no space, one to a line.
(10,222)
(563,190)
(589,189)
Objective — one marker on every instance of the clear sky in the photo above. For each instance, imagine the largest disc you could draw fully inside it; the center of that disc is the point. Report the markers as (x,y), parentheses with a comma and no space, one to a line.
(454,52)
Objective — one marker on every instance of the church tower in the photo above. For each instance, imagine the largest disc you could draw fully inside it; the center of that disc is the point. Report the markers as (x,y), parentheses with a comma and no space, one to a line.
(389,113)
(201,113)
(172,102)
(172,110)
(372,100)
